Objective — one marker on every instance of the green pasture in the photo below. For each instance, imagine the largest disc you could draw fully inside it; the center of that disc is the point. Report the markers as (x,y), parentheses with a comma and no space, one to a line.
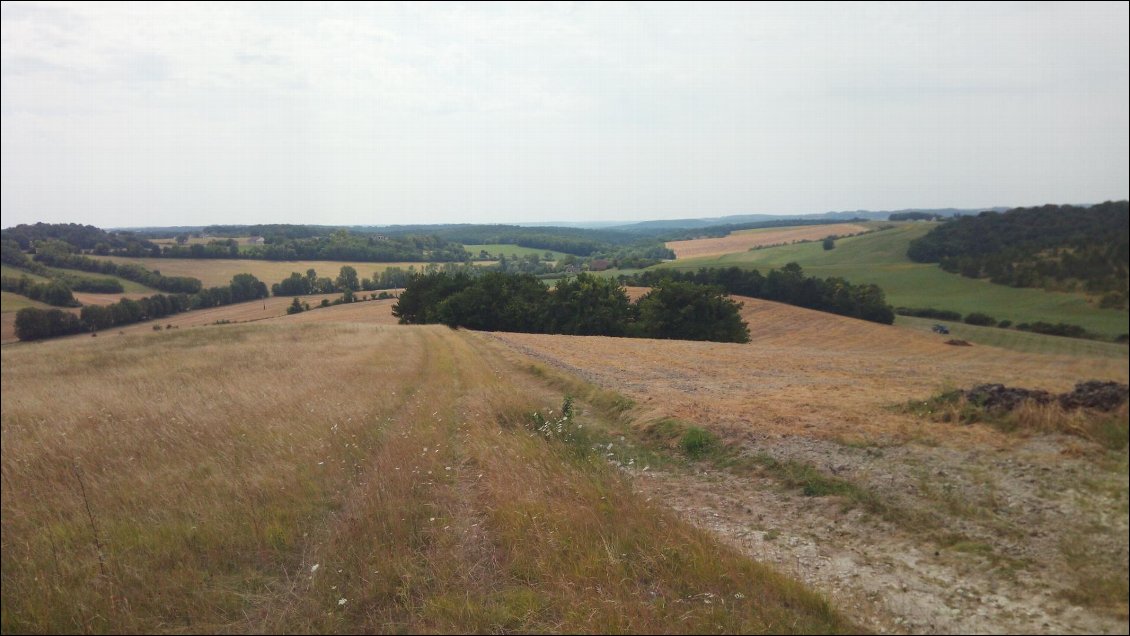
(880,258)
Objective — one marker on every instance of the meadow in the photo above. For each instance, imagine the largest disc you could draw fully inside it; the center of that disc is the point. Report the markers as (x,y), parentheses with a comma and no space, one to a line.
(880,258)
(239,479)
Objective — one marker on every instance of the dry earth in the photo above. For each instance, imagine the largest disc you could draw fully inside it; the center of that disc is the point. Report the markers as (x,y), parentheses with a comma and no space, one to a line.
(743,240)
(986,532)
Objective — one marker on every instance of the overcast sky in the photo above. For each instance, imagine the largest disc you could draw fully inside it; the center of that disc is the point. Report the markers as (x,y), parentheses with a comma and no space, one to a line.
(193,114)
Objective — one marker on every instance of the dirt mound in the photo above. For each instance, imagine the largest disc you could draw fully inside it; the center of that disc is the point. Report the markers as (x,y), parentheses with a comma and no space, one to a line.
(1102,396)
(959,343)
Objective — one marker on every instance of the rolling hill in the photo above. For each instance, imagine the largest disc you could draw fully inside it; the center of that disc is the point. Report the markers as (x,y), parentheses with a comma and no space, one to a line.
(880,258)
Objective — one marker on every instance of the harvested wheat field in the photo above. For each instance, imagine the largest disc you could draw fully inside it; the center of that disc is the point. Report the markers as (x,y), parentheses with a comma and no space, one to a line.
(333,478)
(219,271)
(909,524)
(744,240)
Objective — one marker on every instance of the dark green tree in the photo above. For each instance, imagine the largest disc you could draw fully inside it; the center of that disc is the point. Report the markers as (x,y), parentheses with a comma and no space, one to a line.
(685,311)
(347,279)
(588,305)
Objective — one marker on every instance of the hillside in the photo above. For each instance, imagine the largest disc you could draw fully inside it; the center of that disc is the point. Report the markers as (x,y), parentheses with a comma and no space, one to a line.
(1054,246)
(744,240)
(258,484)
(880,258)
(917,526)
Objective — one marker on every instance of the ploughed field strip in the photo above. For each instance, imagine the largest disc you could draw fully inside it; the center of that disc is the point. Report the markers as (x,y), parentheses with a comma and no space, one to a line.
(292,477)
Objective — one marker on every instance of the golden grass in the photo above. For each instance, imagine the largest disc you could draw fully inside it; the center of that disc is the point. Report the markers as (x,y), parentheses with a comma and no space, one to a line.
(744,240)
(286,477)
(805,372)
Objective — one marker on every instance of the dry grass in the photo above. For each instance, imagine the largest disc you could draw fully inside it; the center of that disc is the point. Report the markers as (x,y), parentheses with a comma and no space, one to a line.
(1030,417)
(805,372)
(744,240)
(334,478)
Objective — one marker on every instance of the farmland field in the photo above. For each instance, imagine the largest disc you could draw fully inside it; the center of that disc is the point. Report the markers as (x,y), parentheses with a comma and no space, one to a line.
(10,302)
(743,240)
(880,258)
(219,271)
(244,479)
(15,272)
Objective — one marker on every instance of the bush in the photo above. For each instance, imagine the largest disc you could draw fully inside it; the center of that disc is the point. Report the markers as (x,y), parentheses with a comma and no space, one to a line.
(1004,324)
(937,314)
(980,319)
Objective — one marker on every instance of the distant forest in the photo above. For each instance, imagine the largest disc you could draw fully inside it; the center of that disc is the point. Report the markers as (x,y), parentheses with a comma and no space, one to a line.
(1054,247)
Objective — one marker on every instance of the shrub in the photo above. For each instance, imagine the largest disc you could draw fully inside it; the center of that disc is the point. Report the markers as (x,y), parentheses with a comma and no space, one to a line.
(697,442)
(980,319)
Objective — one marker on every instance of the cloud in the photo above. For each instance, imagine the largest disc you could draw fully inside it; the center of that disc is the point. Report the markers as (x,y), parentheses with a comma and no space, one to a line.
(280,112)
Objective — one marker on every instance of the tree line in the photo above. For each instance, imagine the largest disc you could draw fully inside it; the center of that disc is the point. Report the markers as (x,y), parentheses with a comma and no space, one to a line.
(786,285)
(339,245)
(1053,246)
(584,305)
(128,271)
(35,324)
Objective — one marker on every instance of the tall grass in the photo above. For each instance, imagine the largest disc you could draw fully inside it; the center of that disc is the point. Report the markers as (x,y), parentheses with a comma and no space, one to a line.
(330,478)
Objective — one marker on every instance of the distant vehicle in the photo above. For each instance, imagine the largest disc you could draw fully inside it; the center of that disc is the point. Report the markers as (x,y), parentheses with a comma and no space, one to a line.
(942,329)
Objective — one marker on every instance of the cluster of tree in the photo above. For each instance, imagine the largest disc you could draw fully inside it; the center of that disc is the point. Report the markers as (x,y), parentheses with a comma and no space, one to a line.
(786,285)
(128,271)
(342,245)
(1050,246)
(11,254)
(579,241)
(82,237)
(928,312)
(272,232)
(216,248)
(916,216)
(53,293)
(1057,329)
(581,305)
(35,324)
(298,285)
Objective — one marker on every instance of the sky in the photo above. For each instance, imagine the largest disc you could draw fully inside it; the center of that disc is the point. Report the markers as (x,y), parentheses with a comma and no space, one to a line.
(370,114)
